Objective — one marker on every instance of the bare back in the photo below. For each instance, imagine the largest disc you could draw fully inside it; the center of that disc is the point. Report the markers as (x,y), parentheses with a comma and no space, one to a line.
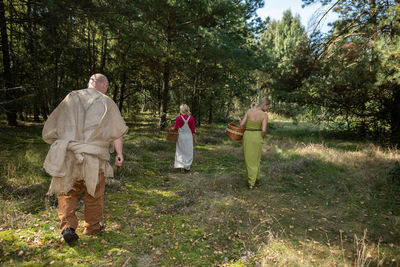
(256,115)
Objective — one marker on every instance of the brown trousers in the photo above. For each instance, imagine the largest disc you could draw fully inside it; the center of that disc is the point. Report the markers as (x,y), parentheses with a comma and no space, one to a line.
(94,207)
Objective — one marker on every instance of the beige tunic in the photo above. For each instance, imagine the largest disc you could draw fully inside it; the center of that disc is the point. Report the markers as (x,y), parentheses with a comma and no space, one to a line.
(81,131)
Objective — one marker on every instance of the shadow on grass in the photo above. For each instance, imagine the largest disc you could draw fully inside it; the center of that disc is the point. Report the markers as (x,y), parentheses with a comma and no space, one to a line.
(306,200)
(314,198)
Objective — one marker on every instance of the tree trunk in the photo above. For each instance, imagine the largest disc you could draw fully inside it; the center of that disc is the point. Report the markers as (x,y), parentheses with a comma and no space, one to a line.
(394,26)
(159,98)
(115,92)
(165,94)
(372,11)
(45,111)
(93,52)
(36,112)
(395,117)
(103,54)
(122,92)
(166,78)
(89,54)
(198,120)
(10,106)
(196,79)
(34,62)
(372,4)
(210,111)
(56,85)
(195,97)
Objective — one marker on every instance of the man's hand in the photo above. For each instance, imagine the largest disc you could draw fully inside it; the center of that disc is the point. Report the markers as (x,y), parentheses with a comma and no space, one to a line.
(119,159)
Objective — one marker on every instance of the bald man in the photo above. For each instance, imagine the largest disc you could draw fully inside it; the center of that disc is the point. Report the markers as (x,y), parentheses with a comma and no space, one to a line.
(83,130)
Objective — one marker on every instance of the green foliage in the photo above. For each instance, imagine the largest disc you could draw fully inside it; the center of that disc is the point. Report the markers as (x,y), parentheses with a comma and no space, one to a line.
(156,54)
(216,56)
(287,63)
(354,80)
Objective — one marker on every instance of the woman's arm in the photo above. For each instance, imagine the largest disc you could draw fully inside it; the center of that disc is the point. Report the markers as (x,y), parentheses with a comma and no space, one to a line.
(178,123)
(192,127)
(243,121)
(264,125)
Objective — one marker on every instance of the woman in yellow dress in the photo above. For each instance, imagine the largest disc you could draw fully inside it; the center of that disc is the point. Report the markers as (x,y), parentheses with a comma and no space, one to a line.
(255,121)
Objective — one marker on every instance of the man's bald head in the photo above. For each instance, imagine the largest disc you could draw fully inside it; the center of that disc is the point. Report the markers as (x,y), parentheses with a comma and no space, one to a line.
(99,82)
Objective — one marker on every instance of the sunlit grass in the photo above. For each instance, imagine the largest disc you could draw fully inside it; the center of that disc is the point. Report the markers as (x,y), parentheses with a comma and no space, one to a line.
(317,197)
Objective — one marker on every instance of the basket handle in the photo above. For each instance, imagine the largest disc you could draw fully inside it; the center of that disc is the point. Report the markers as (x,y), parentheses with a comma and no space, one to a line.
(233,123)
(168,131)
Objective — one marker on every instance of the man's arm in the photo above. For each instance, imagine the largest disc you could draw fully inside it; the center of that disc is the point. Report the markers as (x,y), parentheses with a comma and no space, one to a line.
(119,158)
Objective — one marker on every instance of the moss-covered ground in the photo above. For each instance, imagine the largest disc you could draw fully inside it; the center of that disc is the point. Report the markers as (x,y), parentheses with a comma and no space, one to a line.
(323,201)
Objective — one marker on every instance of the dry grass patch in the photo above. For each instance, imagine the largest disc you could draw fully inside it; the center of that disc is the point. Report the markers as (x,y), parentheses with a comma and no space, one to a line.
(370,155)
(315,201)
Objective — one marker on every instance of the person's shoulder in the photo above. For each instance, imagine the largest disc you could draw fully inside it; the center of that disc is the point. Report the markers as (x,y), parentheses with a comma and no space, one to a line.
(107,98)
(251,110)
(73,94)
(102,96)
(81,92)
(90,94)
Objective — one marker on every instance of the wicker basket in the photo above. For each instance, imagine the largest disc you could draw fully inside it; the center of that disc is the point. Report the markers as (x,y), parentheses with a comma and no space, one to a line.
(171,136)
(234,132)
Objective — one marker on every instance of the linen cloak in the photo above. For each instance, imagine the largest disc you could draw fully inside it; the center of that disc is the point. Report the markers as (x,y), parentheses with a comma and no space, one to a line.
(81,131)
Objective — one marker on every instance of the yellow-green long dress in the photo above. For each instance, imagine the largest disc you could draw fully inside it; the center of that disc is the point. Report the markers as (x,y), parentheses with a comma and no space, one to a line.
(252,145)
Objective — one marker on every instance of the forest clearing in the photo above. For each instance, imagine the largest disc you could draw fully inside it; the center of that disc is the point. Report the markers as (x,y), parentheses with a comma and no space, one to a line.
(323,201)
(320,103)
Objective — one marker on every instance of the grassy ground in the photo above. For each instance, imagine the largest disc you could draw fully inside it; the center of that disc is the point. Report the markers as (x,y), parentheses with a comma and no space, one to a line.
(322,202)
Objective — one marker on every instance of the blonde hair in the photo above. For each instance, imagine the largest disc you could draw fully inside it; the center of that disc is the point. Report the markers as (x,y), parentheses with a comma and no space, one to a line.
(263,101)
(184,108)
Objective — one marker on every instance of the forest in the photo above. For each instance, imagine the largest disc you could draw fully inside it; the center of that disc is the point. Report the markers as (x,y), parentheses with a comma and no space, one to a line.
(217,56)
(329,193)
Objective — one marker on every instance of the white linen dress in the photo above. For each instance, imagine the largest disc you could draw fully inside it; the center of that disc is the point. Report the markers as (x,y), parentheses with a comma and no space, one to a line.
(184,146)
